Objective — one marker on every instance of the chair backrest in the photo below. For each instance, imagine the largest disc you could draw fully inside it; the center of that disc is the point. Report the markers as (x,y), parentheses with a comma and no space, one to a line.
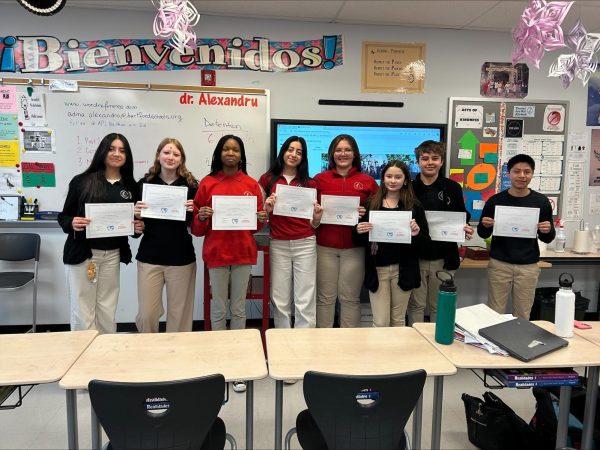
(165,415)
(19,246)
(362,412)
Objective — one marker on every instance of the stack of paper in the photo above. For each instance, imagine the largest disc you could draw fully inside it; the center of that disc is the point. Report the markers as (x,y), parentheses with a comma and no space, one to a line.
(471,319)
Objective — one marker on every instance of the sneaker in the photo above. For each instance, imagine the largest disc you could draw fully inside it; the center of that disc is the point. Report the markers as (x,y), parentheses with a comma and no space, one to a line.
(239,386)
(290,381)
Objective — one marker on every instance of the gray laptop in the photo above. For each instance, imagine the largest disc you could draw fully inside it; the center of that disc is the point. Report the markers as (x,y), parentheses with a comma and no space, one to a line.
(522,339)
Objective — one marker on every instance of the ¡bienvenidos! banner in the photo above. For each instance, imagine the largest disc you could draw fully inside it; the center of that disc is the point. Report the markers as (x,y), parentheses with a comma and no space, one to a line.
(48,55)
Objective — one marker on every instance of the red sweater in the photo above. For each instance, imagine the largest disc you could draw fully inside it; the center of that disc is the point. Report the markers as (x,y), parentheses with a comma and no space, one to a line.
(355,184)
(226,247)
(282,227)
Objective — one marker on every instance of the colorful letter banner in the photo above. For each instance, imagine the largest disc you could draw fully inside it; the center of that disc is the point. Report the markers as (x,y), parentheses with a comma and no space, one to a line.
(47,54)
(38,174)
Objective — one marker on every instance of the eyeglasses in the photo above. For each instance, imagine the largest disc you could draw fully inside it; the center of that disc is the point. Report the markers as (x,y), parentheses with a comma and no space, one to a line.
(343,150)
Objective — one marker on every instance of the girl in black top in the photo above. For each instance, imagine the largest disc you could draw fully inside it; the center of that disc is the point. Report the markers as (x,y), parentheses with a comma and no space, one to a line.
(166,255)
(92,265)
(391,269)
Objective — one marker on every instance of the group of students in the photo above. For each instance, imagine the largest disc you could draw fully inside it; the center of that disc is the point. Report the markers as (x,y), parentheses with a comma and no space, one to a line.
(313,265)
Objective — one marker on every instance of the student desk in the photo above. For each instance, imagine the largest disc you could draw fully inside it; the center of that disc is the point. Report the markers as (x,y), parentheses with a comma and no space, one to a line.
(592,335)
(237,354)
(579,353)
(355,351)
(36,358)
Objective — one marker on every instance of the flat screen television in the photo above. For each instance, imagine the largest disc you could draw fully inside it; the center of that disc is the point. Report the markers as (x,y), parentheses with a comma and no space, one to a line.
(378,142)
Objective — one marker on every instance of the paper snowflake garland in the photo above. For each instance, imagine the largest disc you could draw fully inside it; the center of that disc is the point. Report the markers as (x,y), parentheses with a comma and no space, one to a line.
(582,63)
(175,20)
(539,31)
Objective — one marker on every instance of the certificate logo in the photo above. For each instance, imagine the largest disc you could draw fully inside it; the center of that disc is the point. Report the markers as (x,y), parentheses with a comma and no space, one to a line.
(110,227)
(164,210)
(235,221)
(338,216)
(294,208)
(390,234)
(515,229)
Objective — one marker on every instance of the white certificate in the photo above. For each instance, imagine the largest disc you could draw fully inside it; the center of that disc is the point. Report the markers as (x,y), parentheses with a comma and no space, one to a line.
(164,202)
(340,209)
(234,212)
(390,226)
(518,222)
(109,219)
(294,201)
(447,226)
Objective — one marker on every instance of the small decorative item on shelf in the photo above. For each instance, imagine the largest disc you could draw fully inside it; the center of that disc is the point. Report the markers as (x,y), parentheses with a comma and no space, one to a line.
(29,209)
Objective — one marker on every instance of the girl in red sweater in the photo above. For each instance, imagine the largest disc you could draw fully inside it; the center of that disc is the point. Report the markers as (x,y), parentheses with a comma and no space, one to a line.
(340,262)
(229,254)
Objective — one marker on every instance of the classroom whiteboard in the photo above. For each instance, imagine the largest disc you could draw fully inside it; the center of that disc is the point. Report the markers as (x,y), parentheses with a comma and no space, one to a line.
(483,134)
(198,117)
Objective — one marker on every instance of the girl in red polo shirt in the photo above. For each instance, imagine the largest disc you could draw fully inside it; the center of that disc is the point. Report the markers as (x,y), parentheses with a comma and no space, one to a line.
(293,242)
(340,262)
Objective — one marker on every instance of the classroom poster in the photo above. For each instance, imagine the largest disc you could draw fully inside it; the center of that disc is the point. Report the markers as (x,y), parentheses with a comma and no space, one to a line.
(8,99)
(9,153)
(38,174)
(594,178)
(32,111)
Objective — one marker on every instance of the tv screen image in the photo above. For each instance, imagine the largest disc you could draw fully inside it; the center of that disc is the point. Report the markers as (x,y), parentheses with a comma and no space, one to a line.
(378,142)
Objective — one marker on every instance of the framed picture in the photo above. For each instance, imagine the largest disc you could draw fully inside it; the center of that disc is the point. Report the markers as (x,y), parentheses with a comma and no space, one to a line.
(9,207)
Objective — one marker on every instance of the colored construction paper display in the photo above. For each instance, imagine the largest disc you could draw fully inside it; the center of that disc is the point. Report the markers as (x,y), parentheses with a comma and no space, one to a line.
(175,20)
(38,174)
(481,176)
(582,63)
(539,31)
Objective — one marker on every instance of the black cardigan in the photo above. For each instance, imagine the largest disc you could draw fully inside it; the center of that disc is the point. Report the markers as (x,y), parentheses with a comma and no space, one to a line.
(410,274)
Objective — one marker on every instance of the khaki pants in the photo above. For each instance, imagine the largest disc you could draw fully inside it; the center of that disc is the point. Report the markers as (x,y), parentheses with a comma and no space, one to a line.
(389,302)
(340,274)
(180,282)
(293,276)
(519,280)
(426,294)
(94,304)
(229,285)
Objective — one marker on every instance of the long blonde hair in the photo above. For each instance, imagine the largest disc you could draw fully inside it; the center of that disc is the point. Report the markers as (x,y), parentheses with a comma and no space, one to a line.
(182,170)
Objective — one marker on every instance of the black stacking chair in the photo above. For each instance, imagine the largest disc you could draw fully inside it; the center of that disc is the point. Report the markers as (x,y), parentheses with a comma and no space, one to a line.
(164,415)
(357,412)
(20,247)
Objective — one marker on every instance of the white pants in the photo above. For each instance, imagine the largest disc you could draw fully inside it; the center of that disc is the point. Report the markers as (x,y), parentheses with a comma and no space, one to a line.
(229,285)
(340,274)
(293,275)
(94,304)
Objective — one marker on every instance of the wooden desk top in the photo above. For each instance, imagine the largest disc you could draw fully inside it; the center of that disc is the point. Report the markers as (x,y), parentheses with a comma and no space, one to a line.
(35,358)
(592,335)
(468,263)
(579,353)
(356,351)
(237,354)
(570,257)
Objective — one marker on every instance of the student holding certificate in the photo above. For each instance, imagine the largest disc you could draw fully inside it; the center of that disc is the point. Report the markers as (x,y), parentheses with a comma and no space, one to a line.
(436,193)
(293,247)
(340,261)
(229,248)
(513,259)
(392,270)
(166,254)
(92,265)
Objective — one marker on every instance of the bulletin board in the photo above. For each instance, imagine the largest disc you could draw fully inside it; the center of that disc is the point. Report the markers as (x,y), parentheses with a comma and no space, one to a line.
(56,137)
(483,134)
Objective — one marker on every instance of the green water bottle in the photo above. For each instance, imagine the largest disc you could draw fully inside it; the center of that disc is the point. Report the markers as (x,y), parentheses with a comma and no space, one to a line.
(446,309)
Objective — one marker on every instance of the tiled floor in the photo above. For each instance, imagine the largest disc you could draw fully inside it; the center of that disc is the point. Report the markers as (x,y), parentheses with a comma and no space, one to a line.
(41,422)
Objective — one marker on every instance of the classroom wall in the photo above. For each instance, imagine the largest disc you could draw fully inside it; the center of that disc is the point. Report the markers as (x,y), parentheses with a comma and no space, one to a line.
(453,61)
